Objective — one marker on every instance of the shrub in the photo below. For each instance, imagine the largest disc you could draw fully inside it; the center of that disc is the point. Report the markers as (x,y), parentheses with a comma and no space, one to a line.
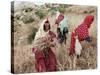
(28,9)
(52,10)
(28,19)
(40,13)
(61,8)
(32,35)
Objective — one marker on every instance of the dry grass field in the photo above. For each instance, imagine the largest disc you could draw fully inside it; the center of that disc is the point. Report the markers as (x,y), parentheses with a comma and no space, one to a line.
(28,17)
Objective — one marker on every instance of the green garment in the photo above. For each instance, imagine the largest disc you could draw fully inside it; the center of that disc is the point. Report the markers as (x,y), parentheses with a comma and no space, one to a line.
(63,24)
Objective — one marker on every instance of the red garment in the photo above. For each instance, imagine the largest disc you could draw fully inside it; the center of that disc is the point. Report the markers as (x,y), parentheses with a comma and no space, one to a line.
(44,64)
(81,31)
(52,34)
(59,19)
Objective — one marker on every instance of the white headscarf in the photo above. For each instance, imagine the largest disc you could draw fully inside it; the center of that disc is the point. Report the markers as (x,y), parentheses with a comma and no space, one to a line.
(41,33)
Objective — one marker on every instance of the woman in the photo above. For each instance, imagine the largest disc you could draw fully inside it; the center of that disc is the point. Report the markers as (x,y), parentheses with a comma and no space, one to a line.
(62,27)
(44,56)
(82,31)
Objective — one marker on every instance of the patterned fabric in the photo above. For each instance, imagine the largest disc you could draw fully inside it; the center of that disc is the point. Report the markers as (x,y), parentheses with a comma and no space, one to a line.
(81,31)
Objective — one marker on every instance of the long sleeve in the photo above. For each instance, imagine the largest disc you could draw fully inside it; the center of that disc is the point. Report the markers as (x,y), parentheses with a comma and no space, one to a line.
(72,44)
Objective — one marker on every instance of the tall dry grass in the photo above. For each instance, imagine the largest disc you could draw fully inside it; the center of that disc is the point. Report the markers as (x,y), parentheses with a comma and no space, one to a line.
(24,61)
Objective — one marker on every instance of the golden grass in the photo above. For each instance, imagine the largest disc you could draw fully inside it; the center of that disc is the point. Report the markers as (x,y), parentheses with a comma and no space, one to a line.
(24,61)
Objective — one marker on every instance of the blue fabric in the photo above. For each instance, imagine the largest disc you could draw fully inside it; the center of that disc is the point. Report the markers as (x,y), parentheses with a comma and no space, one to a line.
(88,39)
(63,24)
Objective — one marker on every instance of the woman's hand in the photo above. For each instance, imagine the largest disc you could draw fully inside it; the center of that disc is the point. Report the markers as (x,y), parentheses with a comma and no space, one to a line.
(34,50)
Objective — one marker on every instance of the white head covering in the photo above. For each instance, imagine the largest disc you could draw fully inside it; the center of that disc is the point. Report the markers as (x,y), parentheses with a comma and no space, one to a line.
(41,33)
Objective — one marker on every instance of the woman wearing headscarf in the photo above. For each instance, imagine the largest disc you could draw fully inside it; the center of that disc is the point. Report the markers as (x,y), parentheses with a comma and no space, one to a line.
(45,59)
(82,31)
(62,27)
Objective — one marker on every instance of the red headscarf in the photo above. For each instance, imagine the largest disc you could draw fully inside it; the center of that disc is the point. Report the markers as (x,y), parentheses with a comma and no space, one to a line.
(88,20)
(81,31)
(59,19)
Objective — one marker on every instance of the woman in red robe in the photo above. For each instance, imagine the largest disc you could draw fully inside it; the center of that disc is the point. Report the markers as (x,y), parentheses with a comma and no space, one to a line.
(82,31)
(45,59)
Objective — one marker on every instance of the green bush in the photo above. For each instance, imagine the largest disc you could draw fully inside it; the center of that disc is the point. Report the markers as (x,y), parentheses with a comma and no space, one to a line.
(17,17)
(52,10)
(40,13)
(28,19)
(61,8)
(28,9)
(32,35)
